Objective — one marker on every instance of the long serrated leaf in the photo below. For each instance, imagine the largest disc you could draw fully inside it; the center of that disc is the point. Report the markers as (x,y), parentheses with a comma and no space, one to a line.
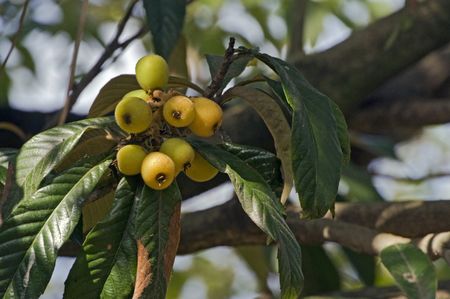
(316,149)
(234,70)
(412,270)
(276,122)
(265,162)
(38,227)
(42,153)
(157,236)
(165,18)
(108,246)
(261,205)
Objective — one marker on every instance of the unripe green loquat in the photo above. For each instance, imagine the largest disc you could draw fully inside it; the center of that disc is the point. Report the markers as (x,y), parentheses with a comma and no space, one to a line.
(133,115)
(179,151)
(129,159)
(158,170)
(208,117)
(178,111)
(152,72)
(200,169)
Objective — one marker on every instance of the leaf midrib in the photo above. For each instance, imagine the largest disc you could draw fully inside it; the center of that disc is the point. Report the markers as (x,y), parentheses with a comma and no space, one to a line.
(46,222)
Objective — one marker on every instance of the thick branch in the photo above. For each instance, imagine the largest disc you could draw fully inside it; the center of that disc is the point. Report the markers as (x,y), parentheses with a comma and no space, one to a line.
(393,292)
(363,62)
(228,225)
(406,114)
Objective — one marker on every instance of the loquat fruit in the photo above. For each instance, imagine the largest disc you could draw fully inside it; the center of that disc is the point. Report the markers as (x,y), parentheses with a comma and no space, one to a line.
(208,117)
(158,170)
(200,169)
(129,159)
(179,151)
(178,111)
(133,115)
(152,72)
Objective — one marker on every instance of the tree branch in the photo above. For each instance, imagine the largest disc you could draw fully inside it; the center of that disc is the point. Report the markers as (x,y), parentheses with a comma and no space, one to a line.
(392,292)
(216,81)
(374,227)
(16,35)
(354,68)
(298,14)
(414,113)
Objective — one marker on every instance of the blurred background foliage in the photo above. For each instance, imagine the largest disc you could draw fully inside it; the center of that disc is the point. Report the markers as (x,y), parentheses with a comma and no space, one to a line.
(35,79)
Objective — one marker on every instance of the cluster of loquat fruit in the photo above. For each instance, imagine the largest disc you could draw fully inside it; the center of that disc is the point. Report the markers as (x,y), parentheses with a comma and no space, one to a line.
(157,122)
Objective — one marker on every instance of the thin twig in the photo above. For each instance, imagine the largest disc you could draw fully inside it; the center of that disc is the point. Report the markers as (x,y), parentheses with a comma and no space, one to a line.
(73,64)
(216,81)
(16,35)
(107,53)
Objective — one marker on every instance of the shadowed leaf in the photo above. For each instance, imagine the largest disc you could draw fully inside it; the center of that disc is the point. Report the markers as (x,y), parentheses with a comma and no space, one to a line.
(165,18)
(411,269)
(316,139)
(265,210)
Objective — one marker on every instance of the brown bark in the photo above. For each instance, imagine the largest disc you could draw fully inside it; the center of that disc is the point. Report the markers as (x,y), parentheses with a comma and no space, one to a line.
(351,70)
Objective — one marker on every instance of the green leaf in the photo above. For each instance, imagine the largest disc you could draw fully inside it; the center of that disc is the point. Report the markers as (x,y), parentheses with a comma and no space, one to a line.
(157,236)
(261,205)
(276,122)
(38,227)
(316,148)
(234,70)
(165,18)
(43,152)
(265,162)
(412,270)
(111,93)
(108,253)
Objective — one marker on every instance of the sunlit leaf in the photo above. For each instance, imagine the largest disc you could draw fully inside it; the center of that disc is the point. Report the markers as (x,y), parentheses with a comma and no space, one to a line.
(38,227)
(108,253)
